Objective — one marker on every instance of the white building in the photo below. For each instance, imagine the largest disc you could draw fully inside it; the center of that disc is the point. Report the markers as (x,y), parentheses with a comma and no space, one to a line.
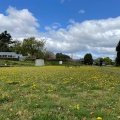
(39,62)
(10,55)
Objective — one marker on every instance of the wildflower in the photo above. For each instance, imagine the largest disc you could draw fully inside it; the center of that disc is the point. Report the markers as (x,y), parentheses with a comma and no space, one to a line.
(32,96)
(77,106)
(36,105)
(49,90)
(5,97)
(99,118)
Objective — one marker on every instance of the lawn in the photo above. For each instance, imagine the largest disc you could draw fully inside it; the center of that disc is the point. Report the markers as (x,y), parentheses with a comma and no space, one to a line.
(59,93)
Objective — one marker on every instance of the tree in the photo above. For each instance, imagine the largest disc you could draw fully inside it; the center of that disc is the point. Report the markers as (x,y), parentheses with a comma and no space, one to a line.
(88,59)
(33,48)
(58,55)
(118,54)
(5,40)
(65,56)
(61,56)
(49,55)
(107,60)
(16,47)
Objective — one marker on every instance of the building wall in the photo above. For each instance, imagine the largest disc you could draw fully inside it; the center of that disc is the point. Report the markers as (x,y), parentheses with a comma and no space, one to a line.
(39,62)
(9,55)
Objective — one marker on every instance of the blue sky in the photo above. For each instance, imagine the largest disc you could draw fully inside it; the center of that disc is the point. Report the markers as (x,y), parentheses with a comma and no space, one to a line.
(61,11)
(69,26)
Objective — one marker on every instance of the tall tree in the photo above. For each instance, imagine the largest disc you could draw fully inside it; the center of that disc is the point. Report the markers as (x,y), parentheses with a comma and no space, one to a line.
(88,59)
(5,40)
(118,54)
(34,48)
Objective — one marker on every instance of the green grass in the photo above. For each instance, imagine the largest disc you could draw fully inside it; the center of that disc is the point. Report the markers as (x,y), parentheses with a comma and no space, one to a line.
(16,63)
(59,93)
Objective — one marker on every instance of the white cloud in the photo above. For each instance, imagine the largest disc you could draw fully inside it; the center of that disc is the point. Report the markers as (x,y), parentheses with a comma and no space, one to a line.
(18,22)
(82,11)
(54,26)
(98,37)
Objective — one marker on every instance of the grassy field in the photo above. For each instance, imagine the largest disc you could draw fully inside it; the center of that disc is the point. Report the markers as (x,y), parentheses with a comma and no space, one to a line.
(16,63)
(59,93)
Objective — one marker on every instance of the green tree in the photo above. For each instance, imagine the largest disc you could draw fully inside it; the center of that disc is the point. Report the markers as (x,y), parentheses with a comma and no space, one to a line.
(61,56)
(5,40)
(107,60)
(66,57)
(16,47)
(33,47)
(88,59)
(118,54)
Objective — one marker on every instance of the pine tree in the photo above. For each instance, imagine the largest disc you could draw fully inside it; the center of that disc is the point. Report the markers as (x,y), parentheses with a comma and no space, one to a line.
(118,54)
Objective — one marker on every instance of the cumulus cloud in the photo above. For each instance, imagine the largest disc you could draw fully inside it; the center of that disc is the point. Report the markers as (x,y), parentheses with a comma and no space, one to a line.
(18,22)
(98,37)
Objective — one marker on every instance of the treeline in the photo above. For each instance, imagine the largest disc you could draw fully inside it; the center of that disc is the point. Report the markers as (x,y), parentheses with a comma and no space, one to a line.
(28,47)
(88,60)
(35,48)
(31,47)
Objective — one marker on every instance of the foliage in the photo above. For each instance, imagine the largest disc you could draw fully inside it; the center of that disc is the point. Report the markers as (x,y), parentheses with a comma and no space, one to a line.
(49,55)
(17,47)
(59,93)
(107,60)
(61,56)
(5,40)
(29,47)
(88,59)
(118,54)
(15,62)
(33,47)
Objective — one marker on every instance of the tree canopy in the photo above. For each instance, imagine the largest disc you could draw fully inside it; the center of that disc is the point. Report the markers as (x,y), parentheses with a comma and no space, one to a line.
(5,40)
(88,59)
(107,60)
(16,47)
(118,54)
(33,47)
(61,56)
(29,47)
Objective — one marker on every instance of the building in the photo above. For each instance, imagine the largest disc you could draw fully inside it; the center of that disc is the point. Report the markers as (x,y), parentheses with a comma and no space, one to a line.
(10,55)
(39,62)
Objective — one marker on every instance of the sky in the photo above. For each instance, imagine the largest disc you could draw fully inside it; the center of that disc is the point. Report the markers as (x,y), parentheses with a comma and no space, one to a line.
(72,27)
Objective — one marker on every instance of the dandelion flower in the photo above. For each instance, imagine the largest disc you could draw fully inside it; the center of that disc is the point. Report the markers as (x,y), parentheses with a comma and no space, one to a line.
(99,118)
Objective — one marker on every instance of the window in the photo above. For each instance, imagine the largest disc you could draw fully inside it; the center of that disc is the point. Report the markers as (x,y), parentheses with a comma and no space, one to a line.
(10,56)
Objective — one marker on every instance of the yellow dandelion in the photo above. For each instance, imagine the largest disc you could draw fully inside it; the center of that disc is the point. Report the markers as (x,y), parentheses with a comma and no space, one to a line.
(99,118)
